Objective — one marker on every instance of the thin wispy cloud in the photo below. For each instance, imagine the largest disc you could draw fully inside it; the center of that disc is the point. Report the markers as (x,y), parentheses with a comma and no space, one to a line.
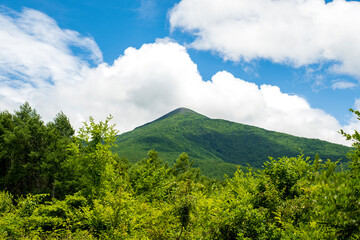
(343,85)
(147,9)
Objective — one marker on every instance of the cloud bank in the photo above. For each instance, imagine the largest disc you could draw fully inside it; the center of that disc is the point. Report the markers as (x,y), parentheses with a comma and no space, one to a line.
(295,32)
(141,85)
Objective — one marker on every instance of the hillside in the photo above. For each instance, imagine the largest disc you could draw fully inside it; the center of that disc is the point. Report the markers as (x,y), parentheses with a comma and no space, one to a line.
(215,145)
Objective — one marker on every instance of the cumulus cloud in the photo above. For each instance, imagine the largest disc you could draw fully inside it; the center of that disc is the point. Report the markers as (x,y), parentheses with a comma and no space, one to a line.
(295,32)
(141,85)
(267,107)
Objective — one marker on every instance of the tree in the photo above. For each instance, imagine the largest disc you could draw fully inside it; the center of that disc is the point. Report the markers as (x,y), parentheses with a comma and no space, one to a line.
(340,198)
(31,152)
(6,126)
(183,169)
(60,133)
(25,143)
(92,162)
(149,177)
(355,153)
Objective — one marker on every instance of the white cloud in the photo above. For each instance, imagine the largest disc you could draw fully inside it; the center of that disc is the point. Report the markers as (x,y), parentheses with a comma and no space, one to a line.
(34,49)
(342,85)
(141,85)
(265,106)
(296,32)
(357,105)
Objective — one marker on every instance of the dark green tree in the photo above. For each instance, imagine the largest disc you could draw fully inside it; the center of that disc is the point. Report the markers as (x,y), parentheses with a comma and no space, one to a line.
(26,145)
(6,126)
(60,133)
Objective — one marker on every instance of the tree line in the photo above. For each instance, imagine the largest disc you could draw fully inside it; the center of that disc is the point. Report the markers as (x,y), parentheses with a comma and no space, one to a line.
(56,184)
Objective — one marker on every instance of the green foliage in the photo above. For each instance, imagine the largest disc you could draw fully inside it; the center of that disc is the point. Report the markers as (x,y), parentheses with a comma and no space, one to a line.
(183,169)
(31,153)
(90,193)
(285,172)
(321,204)
(184,204)
(354,155)
(149,178)
(26,145)
(6,126)
(59,137)
(91,160)
(6,203)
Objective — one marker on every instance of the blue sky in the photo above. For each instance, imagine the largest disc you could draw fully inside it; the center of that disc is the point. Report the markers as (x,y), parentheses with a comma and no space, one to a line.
(303,53)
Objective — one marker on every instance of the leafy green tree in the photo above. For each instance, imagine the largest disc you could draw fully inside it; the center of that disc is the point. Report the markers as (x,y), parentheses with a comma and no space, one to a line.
(92,162)
(183,169)
(355,153)
(150,178)
(285,172)
(338,200)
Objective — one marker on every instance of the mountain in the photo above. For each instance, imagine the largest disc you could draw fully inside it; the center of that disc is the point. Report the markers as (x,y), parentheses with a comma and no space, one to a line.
(217,146)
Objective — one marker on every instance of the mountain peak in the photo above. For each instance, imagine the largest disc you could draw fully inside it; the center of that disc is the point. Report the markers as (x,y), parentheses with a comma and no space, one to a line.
(178,111)
(181,110)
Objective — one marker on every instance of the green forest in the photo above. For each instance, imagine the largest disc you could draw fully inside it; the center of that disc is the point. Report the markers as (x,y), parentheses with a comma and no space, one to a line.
(58,184)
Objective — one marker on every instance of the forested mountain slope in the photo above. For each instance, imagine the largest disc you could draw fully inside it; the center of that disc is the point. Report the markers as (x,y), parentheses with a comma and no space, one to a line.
(215,145)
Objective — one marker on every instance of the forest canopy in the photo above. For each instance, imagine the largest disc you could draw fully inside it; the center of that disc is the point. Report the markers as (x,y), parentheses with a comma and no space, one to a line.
(56,184)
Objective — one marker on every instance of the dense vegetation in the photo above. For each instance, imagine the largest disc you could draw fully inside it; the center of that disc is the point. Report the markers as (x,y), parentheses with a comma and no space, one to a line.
(55,185)
(217,146)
